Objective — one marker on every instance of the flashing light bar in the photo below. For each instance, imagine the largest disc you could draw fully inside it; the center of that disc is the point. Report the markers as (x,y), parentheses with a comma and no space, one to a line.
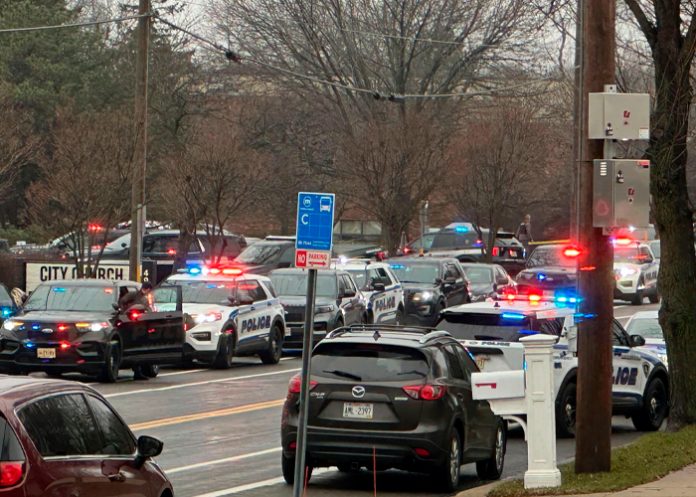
(623,241)
(512,316)
(215,271)
(461,229)
(572,252)
(535,298)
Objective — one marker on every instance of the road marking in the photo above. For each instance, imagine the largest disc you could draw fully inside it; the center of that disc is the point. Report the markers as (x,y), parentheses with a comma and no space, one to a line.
(176,373)
(223,461)
(620,318)
(198,383)
(159,423)
(620,306)
(253,486)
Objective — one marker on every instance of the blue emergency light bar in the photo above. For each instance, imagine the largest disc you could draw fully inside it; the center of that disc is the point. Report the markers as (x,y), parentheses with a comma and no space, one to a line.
(195,270)
(397,266)
(513,316)
(461,229)
(6,312)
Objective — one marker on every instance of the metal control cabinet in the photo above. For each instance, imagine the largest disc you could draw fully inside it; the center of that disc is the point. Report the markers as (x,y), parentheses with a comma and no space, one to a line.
(619,116)
(621,193)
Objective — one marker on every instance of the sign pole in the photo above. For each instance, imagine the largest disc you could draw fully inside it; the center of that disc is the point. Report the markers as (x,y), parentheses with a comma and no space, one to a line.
(300,458)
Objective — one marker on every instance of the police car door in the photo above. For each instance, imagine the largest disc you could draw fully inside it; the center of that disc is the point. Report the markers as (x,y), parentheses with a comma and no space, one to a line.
(254,318)
(384,303)
(630,372)
(649,268)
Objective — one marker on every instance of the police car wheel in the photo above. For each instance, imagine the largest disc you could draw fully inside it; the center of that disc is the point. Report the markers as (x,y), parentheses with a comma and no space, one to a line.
(223,359)
(655,407)
(112,363)
(275,347)
(565,411)
(637,298)
(399,319)
(147,370)
(654,297)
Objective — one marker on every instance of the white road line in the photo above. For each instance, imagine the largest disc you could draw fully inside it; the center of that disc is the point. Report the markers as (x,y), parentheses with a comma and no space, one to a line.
(620,306)
(253,486)
(222,461)
(197,383)
(620,318)
(176,373)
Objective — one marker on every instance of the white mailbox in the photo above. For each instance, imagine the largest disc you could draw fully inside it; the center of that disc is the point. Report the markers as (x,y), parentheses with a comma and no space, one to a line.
(504,391)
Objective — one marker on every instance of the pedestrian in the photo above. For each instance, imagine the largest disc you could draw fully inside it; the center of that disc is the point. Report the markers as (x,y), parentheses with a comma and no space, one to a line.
(139,297)
(524,232)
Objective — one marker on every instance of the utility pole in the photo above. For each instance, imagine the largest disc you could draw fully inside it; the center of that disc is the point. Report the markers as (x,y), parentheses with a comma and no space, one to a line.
(595,267)
(140,142)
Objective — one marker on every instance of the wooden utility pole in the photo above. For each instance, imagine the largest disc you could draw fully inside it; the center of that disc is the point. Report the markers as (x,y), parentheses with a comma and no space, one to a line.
(595,268)
(140,142)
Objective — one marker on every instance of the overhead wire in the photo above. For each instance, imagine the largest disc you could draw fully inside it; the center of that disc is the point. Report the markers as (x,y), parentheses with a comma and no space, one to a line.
(73,25)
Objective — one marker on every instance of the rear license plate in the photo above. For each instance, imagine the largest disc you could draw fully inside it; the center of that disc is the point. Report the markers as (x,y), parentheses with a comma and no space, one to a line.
(46,353)
(481,361)
(357,410)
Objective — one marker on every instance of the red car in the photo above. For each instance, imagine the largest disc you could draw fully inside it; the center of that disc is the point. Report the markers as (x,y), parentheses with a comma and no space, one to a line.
(63,439)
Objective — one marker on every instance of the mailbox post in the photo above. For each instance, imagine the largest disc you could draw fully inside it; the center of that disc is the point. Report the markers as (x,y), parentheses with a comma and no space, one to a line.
(541,416)
(514,394)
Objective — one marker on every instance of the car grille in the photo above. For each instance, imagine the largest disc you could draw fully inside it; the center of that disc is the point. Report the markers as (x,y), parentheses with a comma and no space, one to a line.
(294,313)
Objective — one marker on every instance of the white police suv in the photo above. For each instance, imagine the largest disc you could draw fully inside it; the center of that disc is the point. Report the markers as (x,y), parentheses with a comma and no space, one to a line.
(381,288)
(491,332)
(635,271)
(229,313)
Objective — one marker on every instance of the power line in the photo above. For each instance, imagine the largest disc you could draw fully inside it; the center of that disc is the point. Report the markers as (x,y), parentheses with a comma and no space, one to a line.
(231,55)
(72,25)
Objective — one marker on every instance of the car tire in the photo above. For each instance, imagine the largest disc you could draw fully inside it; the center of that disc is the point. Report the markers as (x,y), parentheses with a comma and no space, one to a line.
(447,475)
(492,468)
(655,407)
(150,370)
(637,298)
(566,406)
(654,297)
(225,354)
(112,363)
(288,466)
(275,347)
(399,319)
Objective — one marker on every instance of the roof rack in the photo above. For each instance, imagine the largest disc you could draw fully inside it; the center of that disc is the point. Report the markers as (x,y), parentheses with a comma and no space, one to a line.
(428,333)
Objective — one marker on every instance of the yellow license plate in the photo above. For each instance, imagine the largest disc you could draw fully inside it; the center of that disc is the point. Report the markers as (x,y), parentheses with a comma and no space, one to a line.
(46,353)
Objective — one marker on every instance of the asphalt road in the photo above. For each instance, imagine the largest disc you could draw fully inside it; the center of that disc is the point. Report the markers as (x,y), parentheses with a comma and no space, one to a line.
(221,432)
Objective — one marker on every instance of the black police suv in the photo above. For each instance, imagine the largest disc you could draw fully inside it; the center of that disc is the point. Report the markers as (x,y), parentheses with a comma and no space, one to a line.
(431,284)
(394,397)
(338,302)
(76,325)
(548,272)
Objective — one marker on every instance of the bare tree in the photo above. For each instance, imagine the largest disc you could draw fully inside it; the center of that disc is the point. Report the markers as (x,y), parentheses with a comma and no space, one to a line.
(85,183)
(18,146)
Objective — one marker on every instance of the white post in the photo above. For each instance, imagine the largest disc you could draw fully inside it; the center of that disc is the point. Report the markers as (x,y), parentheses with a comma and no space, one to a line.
(541,416)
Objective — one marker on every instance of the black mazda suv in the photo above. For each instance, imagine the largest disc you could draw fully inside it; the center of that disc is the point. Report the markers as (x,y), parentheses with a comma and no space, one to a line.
(393,397)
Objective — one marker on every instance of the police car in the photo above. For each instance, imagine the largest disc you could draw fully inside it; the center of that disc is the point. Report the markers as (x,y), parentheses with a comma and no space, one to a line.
(635,271)
(230,313)
(381,288)
(491,332)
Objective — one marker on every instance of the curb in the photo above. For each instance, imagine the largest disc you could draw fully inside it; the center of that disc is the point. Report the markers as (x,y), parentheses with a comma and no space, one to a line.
(480,491)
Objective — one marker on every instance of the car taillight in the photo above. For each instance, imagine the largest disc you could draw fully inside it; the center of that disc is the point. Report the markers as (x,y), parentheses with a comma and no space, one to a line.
(134,315)
(11,473)
(296,384)
(425,392)
(496,251)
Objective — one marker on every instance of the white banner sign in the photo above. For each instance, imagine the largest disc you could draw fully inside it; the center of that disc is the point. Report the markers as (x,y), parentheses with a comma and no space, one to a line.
(40,272)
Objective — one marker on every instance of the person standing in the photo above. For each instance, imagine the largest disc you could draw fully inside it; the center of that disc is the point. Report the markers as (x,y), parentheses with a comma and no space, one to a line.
(524,232)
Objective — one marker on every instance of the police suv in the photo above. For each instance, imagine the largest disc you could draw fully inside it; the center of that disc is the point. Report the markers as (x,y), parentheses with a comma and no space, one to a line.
(491,332)
(635,271)
(381,288)
(229,313)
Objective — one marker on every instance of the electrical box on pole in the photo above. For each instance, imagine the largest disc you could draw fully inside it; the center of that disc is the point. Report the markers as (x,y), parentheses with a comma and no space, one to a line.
(619,116)
(621,193)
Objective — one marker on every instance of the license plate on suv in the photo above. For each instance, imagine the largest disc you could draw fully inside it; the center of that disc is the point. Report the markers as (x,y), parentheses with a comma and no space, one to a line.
(46,353)
(358,410)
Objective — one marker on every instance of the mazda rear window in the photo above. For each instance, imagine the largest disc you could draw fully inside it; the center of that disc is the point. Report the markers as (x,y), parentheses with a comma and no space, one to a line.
(504,327)
(368,362)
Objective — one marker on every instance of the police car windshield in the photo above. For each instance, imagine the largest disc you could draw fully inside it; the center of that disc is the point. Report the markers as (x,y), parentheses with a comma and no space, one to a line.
(295,284)
(417,273)
(261,253)
(206,292)
(483,326)
(479,274)
(550,255)
(71,298)
(645,327)
(655,247)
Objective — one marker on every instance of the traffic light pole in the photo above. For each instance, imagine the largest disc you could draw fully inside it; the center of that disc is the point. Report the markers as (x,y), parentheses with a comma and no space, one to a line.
(300,454)
(595,265)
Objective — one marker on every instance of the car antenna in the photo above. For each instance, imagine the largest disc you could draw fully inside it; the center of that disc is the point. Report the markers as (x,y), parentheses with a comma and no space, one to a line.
(496,305)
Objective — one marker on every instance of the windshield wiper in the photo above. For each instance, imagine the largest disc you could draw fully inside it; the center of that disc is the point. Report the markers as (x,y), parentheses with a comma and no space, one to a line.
(344,374)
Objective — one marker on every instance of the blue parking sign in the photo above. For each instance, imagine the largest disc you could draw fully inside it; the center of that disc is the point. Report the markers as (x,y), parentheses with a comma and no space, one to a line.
(315,219)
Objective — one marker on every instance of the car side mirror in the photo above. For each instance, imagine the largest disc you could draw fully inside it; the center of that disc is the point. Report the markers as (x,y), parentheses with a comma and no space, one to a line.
(637,341)
(349,294)
(116,307)
(124,244)
(148,447)
(495,287)
(379,287)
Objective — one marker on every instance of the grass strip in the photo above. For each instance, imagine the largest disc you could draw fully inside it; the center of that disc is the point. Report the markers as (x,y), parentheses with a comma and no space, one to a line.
(649,458)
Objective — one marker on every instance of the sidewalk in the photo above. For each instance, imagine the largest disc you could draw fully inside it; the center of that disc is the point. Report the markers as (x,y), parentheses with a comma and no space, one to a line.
(680,483)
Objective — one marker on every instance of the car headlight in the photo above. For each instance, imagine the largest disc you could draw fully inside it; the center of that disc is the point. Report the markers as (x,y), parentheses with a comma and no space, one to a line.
(627,271)
(10,325)
(91,326)
(324,308)
(208,317)
(423,296)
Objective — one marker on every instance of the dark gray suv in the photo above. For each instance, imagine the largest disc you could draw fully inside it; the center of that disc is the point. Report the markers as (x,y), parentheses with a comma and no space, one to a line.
(394,397)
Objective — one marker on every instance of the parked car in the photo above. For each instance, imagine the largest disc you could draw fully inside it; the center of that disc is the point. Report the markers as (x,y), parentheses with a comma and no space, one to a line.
(394,397)
(63,438)
(268,254)
(488,281)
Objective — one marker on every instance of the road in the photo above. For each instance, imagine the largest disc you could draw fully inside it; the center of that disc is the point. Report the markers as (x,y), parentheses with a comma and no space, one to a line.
(221,432)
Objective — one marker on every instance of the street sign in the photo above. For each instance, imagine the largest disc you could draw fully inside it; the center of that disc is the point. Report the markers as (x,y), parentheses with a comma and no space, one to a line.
(314,238)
